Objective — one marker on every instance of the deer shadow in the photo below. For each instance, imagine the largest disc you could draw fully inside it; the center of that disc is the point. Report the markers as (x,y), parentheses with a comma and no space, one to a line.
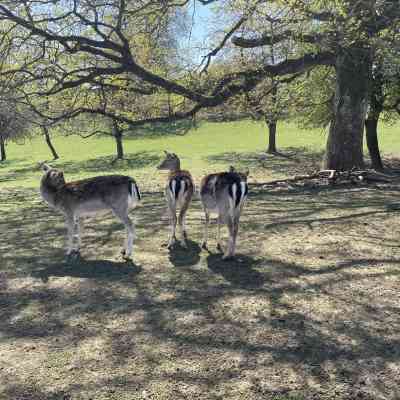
(180,256)
(93,269)
(239,270)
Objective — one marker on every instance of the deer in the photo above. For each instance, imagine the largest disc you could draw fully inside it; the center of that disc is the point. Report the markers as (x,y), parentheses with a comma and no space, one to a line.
(225,194)
(178,194)
(115,193)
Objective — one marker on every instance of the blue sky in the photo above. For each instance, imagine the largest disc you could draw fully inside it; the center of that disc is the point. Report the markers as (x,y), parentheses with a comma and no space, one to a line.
(193,48)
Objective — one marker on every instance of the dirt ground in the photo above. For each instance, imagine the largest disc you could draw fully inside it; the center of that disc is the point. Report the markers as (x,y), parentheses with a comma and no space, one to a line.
(309,309)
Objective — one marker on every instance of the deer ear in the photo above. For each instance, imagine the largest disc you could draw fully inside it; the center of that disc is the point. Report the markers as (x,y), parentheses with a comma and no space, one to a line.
(45,167)
(247,172)
(232,168)
(166,152)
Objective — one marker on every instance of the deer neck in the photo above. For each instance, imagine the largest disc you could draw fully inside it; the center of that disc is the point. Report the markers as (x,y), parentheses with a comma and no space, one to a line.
(48,193)
(174,170)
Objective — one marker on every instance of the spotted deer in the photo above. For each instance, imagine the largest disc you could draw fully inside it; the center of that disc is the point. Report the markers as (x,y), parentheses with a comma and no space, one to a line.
(225,194)
(178,194)
(114,193)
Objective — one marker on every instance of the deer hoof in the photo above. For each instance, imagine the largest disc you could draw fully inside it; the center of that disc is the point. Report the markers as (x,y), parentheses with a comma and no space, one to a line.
(204,246)
(171,243)
(73,255)
(219,248)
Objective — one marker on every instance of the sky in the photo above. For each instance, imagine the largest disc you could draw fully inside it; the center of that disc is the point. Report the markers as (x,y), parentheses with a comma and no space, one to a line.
(196,45)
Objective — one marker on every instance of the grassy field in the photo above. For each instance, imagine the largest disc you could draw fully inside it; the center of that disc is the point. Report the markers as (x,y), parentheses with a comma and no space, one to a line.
(309,309)
(208,148)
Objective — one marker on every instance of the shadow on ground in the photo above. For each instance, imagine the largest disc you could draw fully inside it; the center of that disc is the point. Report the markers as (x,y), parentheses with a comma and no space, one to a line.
(180,256)
(308,309)
(107,163)
(291,161)
(160,130)
(91,269)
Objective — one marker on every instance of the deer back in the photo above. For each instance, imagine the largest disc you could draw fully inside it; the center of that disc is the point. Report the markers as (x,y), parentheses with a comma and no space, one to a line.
(224,191)
(94,194)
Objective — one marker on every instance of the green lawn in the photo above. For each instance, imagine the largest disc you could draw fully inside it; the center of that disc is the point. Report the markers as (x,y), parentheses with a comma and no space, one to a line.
(210,147)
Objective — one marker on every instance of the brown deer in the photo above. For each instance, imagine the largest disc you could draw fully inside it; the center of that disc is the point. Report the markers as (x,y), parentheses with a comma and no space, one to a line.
(114,193)
(178,193)
(225,194)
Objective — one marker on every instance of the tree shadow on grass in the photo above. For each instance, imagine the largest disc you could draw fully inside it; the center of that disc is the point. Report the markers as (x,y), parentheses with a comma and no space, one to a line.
(92,269)
(106,163)
(293,160)
(238,270)
(180,256)
(155,130)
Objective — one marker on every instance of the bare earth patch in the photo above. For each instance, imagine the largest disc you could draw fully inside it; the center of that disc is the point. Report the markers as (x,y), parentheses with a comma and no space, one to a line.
(310,308)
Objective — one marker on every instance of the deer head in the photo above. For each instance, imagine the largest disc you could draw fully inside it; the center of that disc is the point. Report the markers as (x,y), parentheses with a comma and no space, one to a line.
(171,162)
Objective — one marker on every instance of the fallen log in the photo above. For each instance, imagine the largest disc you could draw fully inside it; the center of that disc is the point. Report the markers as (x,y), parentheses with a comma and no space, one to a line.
(332,176)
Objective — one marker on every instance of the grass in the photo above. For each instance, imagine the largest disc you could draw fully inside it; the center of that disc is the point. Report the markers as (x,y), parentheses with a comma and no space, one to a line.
(206,149)
(309,309)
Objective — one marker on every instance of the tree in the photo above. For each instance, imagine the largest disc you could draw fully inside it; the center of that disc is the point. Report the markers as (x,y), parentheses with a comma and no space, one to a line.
(14,122)
(343,34)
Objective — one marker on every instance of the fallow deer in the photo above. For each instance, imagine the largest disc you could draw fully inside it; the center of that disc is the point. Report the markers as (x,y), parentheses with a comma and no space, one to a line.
(178,193)
(114,193)
(225,194)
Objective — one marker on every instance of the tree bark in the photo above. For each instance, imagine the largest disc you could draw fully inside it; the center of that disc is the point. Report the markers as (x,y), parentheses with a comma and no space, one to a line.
(118,140)
(3,149)
(344,149)
(371,133)
(49,143)
(271,137)
(376,101)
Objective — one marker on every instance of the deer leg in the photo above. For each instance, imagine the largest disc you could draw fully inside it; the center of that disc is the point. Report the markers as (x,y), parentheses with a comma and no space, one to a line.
(181,221)
(70,234)
(205,237)
(230,250)
(219,222)
(130,229)
(235,233)
(72,251)
(173,221)
(77,233)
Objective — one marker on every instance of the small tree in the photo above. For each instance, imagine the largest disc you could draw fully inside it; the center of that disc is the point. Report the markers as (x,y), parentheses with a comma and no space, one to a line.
(14,123)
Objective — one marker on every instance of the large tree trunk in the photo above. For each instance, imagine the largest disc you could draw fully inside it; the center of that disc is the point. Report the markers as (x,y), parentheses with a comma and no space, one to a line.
(371,133)
(3,149)
(271,136)
(118,140)
(344,149)
(49,142)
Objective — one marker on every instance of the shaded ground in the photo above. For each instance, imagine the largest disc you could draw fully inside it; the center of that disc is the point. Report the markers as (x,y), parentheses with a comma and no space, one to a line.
(309,309)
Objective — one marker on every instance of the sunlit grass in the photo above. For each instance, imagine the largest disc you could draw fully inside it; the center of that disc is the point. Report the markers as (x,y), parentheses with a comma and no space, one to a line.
(87,157)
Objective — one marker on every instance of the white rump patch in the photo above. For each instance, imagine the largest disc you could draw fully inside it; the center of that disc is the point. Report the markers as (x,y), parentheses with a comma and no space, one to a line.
(183,186)
(134,197)
(232,200)
(173,188)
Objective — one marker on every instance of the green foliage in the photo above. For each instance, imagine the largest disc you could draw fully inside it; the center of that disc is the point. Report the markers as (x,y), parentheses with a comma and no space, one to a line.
(312,98)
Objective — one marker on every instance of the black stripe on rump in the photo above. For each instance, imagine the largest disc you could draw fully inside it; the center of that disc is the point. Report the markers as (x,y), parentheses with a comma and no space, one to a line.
(138,192)
(177,186)
(131,183)
(238,192)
